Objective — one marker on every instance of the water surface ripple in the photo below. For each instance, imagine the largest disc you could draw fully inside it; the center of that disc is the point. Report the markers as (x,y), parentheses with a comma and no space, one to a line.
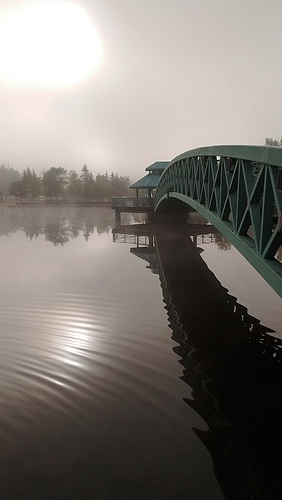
(92,363)
(73,377)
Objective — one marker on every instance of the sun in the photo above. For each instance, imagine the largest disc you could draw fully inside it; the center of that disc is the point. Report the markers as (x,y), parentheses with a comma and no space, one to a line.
(48,44)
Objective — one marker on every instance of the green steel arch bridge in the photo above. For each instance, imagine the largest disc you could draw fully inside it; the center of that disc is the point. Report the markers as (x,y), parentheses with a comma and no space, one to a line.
(238,189)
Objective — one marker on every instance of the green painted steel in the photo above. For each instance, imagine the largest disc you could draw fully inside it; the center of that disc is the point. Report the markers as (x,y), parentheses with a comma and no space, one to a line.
(147,182)
(239,190)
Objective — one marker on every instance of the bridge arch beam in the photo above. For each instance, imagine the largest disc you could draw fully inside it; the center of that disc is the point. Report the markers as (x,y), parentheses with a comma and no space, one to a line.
(239,190)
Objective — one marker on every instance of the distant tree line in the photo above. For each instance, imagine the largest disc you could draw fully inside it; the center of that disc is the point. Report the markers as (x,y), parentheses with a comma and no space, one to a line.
(56,183)
(273,142)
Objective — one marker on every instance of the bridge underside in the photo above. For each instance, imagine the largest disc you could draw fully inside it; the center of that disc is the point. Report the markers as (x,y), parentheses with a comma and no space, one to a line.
(270,270)
(171,209)
(240,196)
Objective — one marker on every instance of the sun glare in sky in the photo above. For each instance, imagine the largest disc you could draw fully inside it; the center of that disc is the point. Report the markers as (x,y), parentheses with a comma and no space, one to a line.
(48,44)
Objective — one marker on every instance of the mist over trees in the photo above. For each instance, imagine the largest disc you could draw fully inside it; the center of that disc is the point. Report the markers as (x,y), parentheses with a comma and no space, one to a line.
(56,183)
(7,176)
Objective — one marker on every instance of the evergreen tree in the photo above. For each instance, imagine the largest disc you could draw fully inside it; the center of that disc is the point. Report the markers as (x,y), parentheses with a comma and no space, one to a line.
(120,185)
(86,179)
(36,185)
(31,183)
(102,186)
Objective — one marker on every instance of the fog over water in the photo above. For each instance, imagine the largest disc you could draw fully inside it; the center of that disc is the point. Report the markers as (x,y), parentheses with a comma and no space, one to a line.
(126,369)
(174,75)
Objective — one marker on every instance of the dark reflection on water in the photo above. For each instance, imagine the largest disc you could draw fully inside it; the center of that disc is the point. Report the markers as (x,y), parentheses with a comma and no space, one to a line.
(91,404)
(233,367)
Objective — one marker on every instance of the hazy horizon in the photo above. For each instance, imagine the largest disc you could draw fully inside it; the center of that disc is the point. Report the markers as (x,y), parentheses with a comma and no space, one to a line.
(172,76)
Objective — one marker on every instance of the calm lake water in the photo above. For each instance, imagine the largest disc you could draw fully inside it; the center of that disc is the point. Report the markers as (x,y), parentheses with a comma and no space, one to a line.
(140,368)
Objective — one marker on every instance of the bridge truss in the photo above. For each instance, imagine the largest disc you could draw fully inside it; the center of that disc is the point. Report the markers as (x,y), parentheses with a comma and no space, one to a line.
(239,190)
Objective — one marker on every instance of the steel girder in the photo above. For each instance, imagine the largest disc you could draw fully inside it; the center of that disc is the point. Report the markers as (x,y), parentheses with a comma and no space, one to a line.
(239,190)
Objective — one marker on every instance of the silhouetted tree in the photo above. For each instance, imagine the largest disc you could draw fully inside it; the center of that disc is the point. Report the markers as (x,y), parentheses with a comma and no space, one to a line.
(74,186)
(17,188)
(31,183)
(54,181)
(102,185)
(273,142)
(86,179)
(119,186)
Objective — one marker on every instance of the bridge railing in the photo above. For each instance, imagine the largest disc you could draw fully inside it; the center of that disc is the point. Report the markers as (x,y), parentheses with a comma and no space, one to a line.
(239,190)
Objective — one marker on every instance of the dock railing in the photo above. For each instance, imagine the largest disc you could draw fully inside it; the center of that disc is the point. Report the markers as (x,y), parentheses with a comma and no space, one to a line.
(124,202)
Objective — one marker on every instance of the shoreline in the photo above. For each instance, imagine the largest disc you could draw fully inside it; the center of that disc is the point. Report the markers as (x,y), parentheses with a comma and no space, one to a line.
(10,204)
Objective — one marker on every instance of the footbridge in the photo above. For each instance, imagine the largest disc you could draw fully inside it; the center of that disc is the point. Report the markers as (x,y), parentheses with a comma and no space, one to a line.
(239,190)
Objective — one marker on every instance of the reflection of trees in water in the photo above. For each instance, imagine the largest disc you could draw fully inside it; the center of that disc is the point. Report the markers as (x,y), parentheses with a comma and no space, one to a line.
(58,224)
(57,233)
(139,218)
(222,242)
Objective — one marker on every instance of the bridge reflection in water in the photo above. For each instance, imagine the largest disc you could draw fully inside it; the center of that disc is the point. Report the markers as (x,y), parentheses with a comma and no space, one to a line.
(231,363)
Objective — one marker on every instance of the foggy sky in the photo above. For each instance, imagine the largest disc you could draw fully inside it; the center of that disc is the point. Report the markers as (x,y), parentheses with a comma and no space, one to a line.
(177,74)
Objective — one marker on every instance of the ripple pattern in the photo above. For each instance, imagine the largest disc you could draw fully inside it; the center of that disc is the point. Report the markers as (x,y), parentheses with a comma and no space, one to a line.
(66,361)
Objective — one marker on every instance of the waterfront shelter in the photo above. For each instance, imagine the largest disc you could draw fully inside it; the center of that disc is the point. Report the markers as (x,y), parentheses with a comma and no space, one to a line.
(146,185)
(143,202)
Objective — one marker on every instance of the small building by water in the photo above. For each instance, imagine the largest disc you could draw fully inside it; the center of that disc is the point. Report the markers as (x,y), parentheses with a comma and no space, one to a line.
(145,187)
(147,184)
